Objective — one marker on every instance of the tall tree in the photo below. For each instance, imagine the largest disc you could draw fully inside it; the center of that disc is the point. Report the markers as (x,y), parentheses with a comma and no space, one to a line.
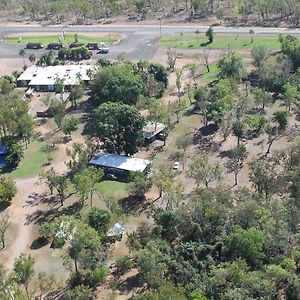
(232,66)
(4,226)
(76,93)
(158,113)
(179,73)
(290,95)
(201,95)
(163,180)
(32,58)
(69,125)
(262,97)
(58,110)
(85,248)
(117,84)
(172,57)
(85,183)
(23,270)
(119,128)
(210,34)
(236,161)
(238,130)
(203,171)
(140,184)
(265,177)
(22,53)
(8,190)
(260,55)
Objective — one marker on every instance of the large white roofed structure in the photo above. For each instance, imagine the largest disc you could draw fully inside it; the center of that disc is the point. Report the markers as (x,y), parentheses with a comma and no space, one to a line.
(120,162)
(36,76)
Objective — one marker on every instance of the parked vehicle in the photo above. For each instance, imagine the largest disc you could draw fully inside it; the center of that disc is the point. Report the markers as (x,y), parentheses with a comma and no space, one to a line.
(92,46)
(34,46)
(103,49)
(54,46)
(76,44)
(111,176)
(176,165)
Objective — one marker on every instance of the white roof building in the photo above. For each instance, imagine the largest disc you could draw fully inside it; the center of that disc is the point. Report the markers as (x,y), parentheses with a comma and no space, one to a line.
(46,76)
(120,162)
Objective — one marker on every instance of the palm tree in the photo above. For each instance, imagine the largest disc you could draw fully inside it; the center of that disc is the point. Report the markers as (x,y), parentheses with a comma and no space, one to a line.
(22,53)
(32,58)
(90,73)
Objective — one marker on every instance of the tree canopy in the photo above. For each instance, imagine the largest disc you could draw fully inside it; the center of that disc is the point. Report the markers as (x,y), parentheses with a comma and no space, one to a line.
(119,128)
(117,84)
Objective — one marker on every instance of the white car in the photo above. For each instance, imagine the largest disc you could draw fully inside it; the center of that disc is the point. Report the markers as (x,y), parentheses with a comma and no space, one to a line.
(176,165)
(103,49)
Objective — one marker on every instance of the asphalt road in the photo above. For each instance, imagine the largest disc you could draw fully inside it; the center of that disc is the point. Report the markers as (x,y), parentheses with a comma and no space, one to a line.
(139,41)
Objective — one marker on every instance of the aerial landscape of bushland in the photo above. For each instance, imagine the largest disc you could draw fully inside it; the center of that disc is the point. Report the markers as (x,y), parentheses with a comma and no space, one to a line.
(149,150)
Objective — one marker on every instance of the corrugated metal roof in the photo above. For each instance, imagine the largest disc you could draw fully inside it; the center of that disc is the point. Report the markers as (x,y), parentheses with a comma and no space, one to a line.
(48,75)
(127,163)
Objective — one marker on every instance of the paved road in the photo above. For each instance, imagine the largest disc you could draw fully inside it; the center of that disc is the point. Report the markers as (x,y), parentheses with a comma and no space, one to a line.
(140,39)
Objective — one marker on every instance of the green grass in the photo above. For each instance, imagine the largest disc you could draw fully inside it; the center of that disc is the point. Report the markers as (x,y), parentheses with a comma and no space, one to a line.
(32,163)
(221,41)
(212,75)
(69,38)
(114,188)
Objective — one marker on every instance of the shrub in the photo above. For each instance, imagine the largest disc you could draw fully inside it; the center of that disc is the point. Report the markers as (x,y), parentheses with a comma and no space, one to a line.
(96,276)
(99,219)
(58,243)
(124,264)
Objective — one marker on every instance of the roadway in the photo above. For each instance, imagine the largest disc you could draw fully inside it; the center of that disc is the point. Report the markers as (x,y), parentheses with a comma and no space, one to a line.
(139,41)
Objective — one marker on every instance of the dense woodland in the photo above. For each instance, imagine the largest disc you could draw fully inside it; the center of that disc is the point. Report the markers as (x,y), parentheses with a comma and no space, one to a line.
(215,242)
(247,12)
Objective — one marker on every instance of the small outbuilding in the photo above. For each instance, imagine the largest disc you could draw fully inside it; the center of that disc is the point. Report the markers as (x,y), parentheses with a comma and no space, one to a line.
(153,131)
(116,230)
(119,165)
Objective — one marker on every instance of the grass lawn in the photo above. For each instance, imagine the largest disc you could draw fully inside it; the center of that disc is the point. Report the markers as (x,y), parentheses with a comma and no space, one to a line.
(32,163)
(212,75)
(221,41)
(114,188)
(69,38)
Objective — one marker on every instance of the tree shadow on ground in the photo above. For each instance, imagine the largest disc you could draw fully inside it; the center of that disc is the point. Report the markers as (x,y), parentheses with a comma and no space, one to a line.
(203,138)
(225,154)
(130,283)
(39,216)
(210,129)
(72,210)
(4,205)
(88,119)
(39,243)
(256,111)
(36,199)
(205,44)
(134,205)
(42,216)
